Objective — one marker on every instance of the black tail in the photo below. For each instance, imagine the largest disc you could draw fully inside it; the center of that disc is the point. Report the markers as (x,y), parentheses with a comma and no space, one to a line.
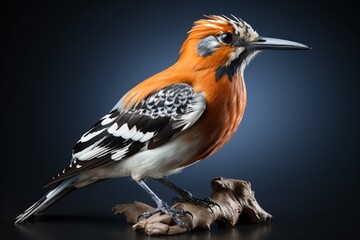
(48,199)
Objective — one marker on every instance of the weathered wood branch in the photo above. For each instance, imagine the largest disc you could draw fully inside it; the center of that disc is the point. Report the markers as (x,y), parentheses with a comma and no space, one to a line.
(235,198)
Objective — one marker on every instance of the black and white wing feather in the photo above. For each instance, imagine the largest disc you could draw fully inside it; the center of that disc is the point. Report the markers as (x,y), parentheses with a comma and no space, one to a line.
(125,132)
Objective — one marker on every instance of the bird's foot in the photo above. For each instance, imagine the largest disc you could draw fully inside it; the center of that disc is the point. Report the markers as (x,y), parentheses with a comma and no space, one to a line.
(172,212)
(188,197)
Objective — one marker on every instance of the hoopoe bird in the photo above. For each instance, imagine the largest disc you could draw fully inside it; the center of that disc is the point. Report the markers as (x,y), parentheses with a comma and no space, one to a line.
(171,120)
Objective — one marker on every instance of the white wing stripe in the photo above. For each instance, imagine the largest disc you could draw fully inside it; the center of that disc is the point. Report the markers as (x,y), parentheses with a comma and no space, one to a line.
(108,120)
(137,136)
(93,153)
(133,133)
(89,136)
(147,136)
(119,154)
(112,129)
(115,131)
(129,133)
(177,103)
(90,151)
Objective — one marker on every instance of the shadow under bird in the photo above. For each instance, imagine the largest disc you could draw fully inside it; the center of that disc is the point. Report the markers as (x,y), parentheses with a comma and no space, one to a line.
(171,120)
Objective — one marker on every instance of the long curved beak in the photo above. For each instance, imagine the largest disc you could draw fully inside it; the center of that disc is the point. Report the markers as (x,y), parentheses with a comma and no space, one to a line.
(277,44)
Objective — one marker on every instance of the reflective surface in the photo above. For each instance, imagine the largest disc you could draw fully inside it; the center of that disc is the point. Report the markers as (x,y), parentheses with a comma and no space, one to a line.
(96,227)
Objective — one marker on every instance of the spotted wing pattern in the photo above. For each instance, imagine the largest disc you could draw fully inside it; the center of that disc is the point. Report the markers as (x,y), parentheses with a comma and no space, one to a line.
(125,132)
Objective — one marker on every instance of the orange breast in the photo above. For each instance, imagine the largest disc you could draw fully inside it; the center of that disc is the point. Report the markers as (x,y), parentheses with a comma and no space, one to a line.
(225,105)
(226,101)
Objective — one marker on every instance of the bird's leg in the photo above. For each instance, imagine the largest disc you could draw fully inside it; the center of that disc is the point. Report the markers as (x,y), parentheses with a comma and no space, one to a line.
(162,206)
(186,196)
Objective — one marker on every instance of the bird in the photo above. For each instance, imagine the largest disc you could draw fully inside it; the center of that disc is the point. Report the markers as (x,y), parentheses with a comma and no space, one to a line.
(171,120)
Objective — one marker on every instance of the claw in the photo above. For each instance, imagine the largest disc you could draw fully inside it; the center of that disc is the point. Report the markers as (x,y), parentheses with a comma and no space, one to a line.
(172,212)
(211,203)
(217,205)
(187,212)
(206,202)
(162,207)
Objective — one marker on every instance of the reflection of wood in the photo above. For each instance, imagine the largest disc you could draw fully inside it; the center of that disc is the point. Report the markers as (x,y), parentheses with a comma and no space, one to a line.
(235,198)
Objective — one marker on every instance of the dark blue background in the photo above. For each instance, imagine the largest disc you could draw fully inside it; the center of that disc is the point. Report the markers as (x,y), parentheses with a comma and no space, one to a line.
(64,65)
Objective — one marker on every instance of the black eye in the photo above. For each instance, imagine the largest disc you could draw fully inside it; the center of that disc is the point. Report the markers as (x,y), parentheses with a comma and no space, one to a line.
(226,38)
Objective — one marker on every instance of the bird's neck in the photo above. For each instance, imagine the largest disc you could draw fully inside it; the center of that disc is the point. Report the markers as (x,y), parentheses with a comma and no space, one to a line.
(218,84)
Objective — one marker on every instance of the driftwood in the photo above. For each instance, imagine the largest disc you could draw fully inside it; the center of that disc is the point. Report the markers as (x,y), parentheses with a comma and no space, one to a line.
(235,202)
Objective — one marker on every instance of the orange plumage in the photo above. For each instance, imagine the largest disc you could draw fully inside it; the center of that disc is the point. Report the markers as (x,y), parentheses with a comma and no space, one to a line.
(225,98)
(172,119)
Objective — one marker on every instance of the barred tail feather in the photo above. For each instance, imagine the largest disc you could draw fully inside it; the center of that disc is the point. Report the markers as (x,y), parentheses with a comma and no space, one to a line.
(48,199)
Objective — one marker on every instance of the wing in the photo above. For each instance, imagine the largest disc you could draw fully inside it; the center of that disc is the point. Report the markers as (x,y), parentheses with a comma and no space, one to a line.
(124,132)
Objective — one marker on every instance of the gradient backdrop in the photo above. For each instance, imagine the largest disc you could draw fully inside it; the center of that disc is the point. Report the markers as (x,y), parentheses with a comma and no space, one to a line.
(66,64)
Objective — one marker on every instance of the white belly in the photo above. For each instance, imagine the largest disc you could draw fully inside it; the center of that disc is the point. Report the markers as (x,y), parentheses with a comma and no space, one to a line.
(154,163)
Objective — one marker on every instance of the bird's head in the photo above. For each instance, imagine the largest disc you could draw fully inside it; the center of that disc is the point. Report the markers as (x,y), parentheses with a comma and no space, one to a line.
(226,45)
